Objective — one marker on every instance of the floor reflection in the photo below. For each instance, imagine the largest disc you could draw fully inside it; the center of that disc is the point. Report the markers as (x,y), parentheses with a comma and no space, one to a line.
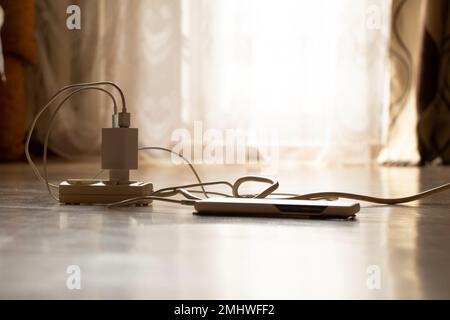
(433,235)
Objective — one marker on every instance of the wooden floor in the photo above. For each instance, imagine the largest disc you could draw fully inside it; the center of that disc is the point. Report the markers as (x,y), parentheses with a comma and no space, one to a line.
(166,252)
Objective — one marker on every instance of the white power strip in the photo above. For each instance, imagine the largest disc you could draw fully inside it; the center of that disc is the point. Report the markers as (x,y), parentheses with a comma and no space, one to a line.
(91,191)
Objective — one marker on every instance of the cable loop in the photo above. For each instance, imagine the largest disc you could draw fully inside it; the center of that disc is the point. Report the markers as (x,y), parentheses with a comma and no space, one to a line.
(273,186)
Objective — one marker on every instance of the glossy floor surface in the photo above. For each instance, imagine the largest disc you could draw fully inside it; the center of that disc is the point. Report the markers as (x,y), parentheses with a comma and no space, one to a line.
(165,251)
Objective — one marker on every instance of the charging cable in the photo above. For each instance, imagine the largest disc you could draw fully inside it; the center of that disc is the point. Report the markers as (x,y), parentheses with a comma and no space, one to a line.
(122,119)
(83,86)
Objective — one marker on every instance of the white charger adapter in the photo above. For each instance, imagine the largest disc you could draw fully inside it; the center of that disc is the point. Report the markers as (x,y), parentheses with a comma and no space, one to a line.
(119,156)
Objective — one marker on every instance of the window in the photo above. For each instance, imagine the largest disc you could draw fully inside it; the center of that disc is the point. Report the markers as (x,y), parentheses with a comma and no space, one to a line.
(308,77)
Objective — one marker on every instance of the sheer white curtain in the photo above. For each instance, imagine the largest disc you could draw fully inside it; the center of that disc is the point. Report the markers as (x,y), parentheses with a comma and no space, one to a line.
(136,44)
(312,74)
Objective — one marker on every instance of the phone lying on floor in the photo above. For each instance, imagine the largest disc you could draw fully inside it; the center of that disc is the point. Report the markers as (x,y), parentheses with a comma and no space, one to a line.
(276,208)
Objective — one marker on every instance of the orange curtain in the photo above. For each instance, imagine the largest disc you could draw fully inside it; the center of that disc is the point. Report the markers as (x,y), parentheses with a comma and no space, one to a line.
(19,50)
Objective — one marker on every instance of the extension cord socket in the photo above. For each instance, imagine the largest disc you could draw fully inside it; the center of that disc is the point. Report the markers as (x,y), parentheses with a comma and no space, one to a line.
(91,191)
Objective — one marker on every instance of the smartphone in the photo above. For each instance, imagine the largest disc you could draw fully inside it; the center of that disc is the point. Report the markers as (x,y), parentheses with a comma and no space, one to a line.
(251,207)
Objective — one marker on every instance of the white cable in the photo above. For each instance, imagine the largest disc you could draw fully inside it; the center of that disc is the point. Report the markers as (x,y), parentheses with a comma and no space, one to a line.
(167,192)
(171,191)
(56,95)
(52,119)
(95,83)
(33,125)
(354,196)
(184,159)
(138,200)
(312,196)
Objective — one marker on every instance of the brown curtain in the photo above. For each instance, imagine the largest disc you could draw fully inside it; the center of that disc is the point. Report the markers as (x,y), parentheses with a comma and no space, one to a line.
(19,50)
(434,85)
(419,113)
